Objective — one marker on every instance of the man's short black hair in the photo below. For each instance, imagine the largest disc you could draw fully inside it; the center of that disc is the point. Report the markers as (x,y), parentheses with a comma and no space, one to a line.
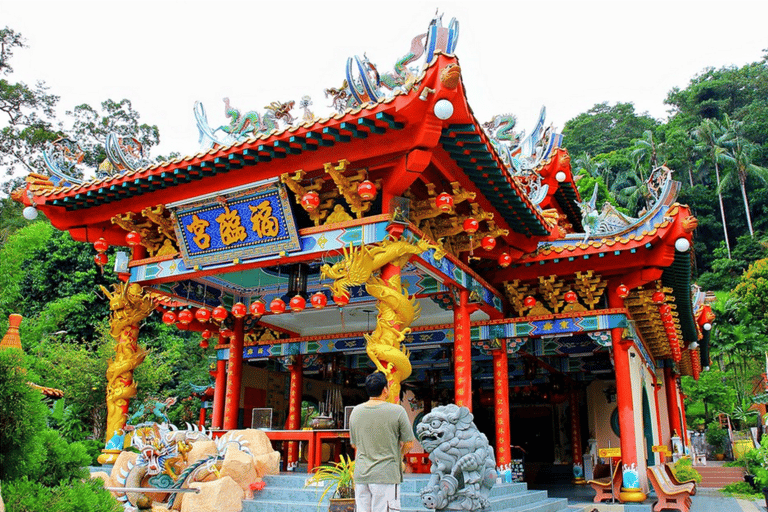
(375,384)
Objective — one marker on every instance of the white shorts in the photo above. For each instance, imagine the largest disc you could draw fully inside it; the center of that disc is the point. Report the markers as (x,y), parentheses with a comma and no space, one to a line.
(377,497)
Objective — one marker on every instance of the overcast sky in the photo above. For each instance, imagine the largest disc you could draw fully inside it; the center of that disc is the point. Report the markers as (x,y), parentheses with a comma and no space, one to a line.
(515,55)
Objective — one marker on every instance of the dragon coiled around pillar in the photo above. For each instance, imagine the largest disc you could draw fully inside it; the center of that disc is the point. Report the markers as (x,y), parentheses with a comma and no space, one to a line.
(129,305)
(362,266)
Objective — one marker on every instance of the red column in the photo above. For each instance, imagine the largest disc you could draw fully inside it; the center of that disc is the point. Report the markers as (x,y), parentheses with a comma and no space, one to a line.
(501,398)
(201,421)
(294,410)
(673,411)
(630,476)
(217,417)
(234,377)
(462,352)
(684,433)
(578,458)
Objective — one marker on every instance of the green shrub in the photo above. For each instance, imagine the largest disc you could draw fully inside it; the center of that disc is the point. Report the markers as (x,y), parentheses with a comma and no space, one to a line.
(683,470)
(740,489)
(62,461)
(23,495)
(716,436)
(22,417)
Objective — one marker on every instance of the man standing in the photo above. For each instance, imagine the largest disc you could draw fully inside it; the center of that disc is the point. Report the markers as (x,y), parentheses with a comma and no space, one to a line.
(381,435)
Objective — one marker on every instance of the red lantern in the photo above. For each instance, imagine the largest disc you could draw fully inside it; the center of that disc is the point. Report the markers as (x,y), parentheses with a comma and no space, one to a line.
(202,315)
(133,238)
(298,303)
(169,317)
(658,297)
(258,308)
(204,344)
(622,291)
(470,225)
(366,190)
(185,316)
(444,202)
(277,306)
(310,201)
(318,300)
(206,334)
(226,333)
(219,313)
(101,245)
(666,317)
(665,309)
(570,296)
(341,300)
(101,259)
(505,260)
(488,242)
(239,310)
(529,301)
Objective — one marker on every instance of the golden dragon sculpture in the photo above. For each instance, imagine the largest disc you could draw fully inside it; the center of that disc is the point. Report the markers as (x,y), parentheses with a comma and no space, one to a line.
(396,310)
(130,305)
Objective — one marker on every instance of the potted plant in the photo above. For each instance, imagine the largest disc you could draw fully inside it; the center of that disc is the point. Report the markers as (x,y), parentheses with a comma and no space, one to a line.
(341,478)
(717,437)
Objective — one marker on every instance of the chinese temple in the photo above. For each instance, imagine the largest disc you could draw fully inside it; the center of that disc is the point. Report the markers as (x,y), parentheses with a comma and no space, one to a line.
(403,234)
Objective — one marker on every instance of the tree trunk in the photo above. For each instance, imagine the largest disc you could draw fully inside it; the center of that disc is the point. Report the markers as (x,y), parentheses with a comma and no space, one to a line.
(746,205)
(722,210)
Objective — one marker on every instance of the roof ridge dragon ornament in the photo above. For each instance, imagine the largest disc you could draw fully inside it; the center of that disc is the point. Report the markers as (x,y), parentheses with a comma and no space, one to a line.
(397,310)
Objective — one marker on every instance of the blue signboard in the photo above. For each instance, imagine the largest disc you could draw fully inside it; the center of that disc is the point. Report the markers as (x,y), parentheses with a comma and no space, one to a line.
(249,224)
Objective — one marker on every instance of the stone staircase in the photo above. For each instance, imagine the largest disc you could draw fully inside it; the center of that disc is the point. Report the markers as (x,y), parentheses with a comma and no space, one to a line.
(719,476)
(286,493)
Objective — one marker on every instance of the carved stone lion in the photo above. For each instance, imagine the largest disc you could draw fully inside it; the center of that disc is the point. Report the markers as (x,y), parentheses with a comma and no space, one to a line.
(463,463)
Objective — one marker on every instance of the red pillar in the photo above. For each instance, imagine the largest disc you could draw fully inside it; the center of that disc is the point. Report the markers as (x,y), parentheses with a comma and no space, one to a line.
(462,352)
(217,416)
(234,377)
(294,410)
(501,398)
(684,434)
(578,457)
(201,421)
(673,411)
(630,476)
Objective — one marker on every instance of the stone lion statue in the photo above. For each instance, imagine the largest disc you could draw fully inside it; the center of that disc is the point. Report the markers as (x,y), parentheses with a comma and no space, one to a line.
(463,463)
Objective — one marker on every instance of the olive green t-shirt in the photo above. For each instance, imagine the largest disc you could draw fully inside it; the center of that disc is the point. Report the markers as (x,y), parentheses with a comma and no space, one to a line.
(377,431)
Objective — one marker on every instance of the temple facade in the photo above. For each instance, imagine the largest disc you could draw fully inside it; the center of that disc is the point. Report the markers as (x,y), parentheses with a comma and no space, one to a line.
(401,234)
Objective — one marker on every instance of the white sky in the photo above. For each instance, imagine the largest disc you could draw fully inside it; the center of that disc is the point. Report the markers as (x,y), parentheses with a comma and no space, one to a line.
(515,55)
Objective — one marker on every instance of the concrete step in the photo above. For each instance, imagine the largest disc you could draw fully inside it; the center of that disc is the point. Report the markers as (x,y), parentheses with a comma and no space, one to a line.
(719,476)
(287,493)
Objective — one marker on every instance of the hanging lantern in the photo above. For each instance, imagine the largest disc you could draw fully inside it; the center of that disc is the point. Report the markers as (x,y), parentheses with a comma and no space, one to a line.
(488,242)
(277,306)
(666,317)
(101,259)
(318,300)
(257,308)
(204,344)
(219,313)
(226,333)
(206,334)
(239,310)
(185,316)
(622,291)
(202,315)
(529,301)
(444,202)
(341,300)
(505,260)
(366,190)
(101,245)
(665,309)
(470,225)
(298,303)
(570,296)
(169,317)
(310,201)
(658,297)
(133,238)
(670,329)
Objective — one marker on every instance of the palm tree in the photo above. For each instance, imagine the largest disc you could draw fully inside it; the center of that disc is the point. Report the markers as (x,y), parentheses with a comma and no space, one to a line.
(712,136)
(739,157)
(645,150)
